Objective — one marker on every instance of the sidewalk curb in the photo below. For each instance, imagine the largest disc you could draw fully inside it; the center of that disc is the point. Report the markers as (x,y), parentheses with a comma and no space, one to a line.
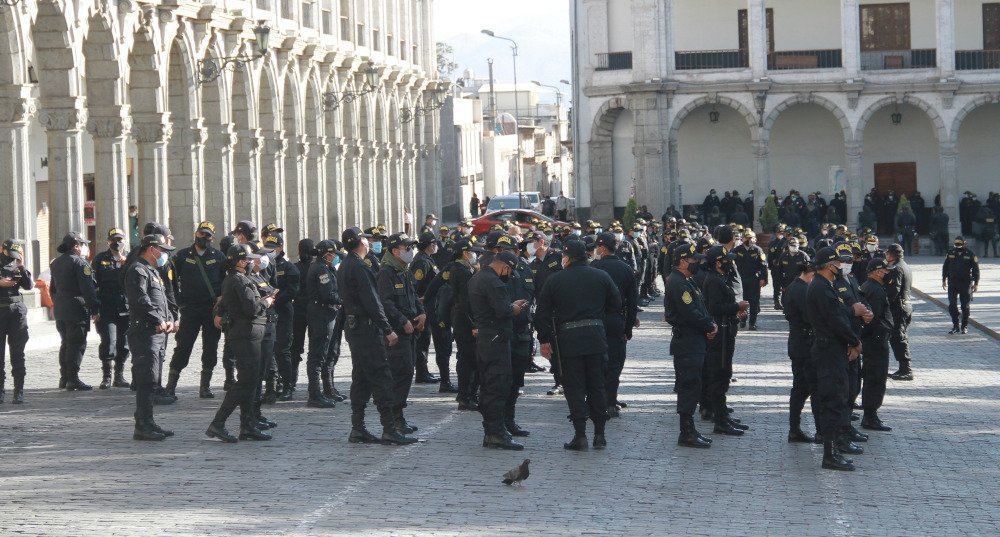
(978,325)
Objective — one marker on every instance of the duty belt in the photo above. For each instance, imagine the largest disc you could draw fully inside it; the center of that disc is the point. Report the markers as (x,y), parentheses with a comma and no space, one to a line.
(580,324)
(8,300)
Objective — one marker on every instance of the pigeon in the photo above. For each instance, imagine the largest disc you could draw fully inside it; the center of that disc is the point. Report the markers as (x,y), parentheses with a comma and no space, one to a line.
(517,475)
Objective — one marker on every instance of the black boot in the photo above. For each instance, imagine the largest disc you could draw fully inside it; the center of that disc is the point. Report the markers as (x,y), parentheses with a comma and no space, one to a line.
(579,441)
(3,391)
(872,422)
(599,441)
(73,383)
(18,391)
(832,460)
(359,433)
(400,423)
(161,430)
(843,444)
(230,378)
(726,427)
(316,399)
(250,431)
(327,384)
(392,437)
(144,431)
(795,433)
(447,387)
(218,430)
(205,389)
(689,436)
(172,377)
(119,381)
(497,437)
(270,397)
(105,376)
(856,435)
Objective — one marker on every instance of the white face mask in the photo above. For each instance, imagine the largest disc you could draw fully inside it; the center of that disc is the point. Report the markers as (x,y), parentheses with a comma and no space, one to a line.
(406,256)
(532,248)
(84,250)
(548,239)
(871,247)
(473,257)
(793,249)
(846,267)
(575,233)
(598,231)
(265,261)
(619,236)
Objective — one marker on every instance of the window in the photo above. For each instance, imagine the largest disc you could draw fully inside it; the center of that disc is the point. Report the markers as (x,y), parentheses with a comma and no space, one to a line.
(264,4)
(287,10)
(885,27)
(327,21)
(744,24)
(345,20)
(308,15)
(991,26)
(359,36)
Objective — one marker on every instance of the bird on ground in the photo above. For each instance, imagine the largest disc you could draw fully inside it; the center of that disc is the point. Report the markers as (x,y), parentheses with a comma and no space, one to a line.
(518,474)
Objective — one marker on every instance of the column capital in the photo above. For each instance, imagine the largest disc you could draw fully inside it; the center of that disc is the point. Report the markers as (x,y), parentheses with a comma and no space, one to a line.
(275,143)
(17,110)
(853,150)
(948,150)
(110,126)
(761,149)
(222,137)
(64,119)
(151,133)
(318,147)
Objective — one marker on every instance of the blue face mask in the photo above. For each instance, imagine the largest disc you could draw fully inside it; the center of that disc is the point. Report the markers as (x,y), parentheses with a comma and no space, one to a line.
(162,260)
(377,247)
(335,261)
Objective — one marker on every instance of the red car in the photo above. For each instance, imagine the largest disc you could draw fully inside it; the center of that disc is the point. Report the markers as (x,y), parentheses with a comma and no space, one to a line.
(521,217)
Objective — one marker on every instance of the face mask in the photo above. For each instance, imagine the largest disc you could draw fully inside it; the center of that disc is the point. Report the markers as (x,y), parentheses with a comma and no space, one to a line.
(532,249)
(265,261)
(598,231)
(335,261)
(162,260)
(619,236)
(793,249)
(84,250)
(505,277)
(406,256)
(575,233)
(845,268)
(116,246)
(548,239)
(473,258)
(870,247)
(693,268)
(377,247)
(202,242)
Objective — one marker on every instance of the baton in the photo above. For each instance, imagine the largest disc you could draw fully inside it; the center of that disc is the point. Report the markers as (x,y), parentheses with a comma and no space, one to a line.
(555,345)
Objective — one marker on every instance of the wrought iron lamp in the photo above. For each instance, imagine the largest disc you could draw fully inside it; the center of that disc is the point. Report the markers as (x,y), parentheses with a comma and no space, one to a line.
(211,69)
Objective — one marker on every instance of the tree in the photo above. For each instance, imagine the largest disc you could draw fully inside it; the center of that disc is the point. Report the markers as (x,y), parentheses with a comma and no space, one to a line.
(445,62)
(630,211)
(903,202)
(769,215)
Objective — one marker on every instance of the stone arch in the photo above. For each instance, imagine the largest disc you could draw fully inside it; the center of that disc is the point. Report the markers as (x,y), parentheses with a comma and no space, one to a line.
(940,129)
(221,141)
(975,140)
(151,128)
(601,155)
(248,150)
(54,37)
(13,62)
(293,185)
(808,98)
(963,113)
(315,166)
(185,177)
(275,145)
(17,187)
(749,115)
(364,181)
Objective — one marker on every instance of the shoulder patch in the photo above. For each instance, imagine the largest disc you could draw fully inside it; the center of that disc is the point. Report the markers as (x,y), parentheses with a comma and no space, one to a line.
(368,262)
(975,259)
(418,275)
(446,275)
(105,263)
(87,271)
(553,264)
(262,284)
(399,286)
(663,250)
(686,297)
(170,274)
(280,273)
(324,279)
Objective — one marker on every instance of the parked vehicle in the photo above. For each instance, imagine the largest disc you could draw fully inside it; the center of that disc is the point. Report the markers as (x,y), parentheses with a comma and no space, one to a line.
(521,217)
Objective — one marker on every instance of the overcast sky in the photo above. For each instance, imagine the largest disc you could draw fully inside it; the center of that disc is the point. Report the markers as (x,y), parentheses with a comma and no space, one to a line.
(540,27)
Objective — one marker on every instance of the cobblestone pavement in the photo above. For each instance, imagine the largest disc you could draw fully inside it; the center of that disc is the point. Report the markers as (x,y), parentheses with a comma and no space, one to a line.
(68,465)
(985,302)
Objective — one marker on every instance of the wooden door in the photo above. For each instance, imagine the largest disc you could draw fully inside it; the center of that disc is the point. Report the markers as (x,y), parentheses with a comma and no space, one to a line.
(744,25)
(900,177)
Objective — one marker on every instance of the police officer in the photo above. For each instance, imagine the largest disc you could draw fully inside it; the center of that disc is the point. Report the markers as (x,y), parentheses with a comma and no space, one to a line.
(368,334)
(242,314)
(789,262)
(74,296)
(751,263)
(199,269)
(443,255)
(397,291)
(300,320)
(14,278)
(617,325)
(438,301)
(897,288)
(149,322)
(570,321)
(722,304)
(374,257)
(960,277)
(287,280)
(429,222)
(775,249)
(834,344)
(800,340)
(875,337)
(424,270)
(460,272)
(684,309)
(547,261)
(492,315)
(113,321)
(520,287)
(323,305)
(262,275)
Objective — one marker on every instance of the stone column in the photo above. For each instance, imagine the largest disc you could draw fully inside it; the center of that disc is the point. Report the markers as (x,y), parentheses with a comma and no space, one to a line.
(855,179)
(247,174)
(945,16)
(64,131)
(406,185)
(364,185)
(601,189)
(295,190)
(396,191)
(948,153)
(220,186)
(317,212)
(16,192)
(334,181)
(757,23)
(187,182)
(354,155)
(674,194)
(761,178)
(110,177)
(648,20)
(271,189)
(151,138)
(649,148)
(383,213)
(850,30)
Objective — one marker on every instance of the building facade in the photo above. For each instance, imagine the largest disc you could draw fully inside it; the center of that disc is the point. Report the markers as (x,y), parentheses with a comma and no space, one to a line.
(110,103)
(675,97)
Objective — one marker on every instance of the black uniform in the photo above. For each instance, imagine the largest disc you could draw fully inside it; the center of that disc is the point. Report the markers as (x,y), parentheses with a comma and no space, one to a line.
(244,321)
(684,309)
(960,271)
(461,322)
(199,284)
(492,314)
(365,329)
(74,296)
(571,311)
(800,341)
(114,317)
(875,344)
(424,271)
(13,321)
(300,321)
(542,269)
(827,313)
(323,301)
(398,294)
(437,303)
(720,301)
(288,281)
(849,291)
(774,250)
(897,289)
(520,286)
(751,263)
(264,280)
(145,292)
(618,325)
(788,266)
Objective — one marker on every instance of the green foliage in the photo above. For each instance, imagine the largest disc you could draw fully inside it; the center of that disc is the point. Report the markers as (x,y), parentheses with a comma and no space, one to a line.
(631,208)
(445,64)
(903,202)
(769,215)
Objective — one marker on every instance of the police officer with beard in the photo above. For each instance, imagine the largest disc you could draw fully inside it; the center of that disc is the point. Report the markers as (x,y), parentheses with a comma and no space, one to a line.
(617,325)
(570,319)
(323,303)
(113,321)
(14,278)
(150,321)
(74,296)
(492,315)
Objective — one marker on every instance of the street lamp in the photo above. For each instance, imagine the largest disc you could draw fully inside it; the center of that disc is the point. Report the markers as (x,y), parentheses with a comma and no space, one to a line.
(562,163)
(407,115)
(210,69)
(517,111)
(331,100)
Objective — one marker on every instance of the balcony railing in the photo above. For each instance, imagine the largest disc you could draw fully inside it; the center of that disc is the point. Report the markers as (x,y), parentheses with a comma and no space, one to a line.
(711,59)
(614,61)
(804,59)
(898,59)
(966,60)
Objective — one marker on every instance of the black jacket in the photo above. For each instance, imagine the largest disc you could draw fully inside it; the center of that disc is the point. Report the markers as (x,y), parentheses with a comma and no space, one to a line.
(684,308)
(827,314)
(620,323)
(191,285)
(577,293)
(146,295)
(359,293)
(74,293)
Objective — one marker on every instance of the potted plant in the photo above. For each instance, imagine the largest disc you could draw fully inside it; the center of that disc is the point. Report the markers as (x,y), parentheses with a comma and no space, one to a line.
(631,208)
(768,219)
